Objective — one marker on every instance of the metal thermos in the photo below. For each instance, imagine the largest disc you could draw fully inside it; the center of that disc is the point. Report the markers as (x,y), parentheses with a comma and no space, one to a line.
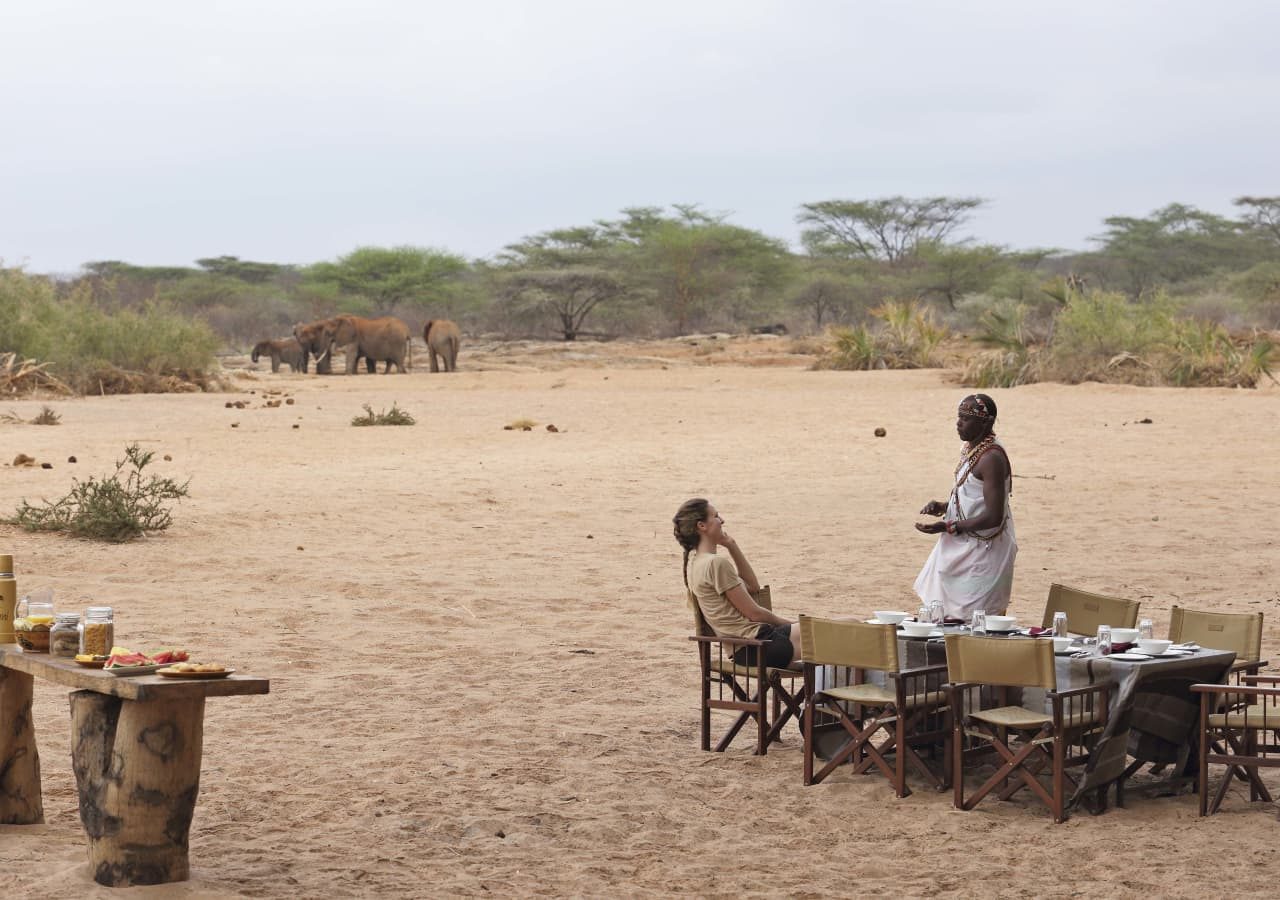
(8,599)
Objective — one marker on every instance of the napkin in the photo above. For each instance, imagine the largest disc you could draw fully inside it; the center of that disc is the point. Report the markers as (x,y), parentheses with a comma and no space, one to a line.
(953,620)
(1122,647)
(1039,632)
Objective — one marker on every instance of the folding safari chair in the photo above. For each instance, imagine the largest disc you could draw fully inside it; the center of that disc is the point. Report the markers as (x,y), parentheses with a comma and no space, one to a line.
(745,689)
(910,709)
(1086,611)
(1059,740)
(1238,728)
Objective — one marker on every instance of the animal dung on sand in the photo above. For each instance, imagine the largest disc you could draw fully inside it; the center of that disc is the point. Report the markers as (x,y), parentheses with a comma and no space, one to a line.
(880,432)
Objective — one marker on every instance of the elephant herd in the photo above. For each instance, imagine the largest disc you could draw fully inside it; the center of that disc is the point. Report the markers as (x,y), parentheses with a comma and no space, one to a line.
(386,339)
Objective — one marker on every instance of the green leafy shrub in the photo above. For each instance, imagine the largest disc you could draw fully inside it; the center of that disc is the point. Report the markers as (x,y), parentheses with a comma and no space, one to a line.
(117,508)
(906,336)
(393,416)
(91,348)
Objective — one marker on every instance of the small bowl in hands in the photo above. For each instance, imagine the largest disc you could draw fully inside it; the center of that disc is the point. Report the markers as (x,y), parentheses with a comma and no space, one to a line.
(918,629)
(890,616)
(1154,646)
(1062,644)
(1002,623)
(1124,635)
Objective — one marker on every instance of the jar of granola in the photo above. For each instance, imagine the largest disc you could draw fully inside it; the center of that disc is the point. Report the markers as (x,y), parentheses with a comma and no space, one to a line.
(99,632)
(64,636)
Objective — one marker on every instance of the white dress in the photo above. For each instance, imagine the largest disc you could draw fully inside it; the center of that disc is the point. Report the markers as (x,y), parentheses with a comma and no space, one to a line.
(971,571)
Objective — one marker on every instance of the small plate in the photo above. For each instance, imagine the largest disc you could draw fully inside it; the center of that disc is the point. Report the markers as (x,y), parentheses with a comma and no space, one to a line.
(170,673)
(1132,657)
(91,663)
(937,632)
(878,622)
(126,671)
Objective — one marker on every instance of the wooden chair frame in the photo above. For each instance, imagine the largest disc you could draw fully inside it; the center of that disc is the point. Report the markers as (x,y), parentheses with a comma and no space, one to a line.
(1076,715)
(1229,735)
(750,688)
(908,720)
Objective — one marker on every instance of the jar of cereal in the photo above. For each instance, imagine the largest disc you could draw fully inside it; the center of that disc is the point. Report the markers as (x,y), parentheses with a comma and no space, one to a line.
(99,632)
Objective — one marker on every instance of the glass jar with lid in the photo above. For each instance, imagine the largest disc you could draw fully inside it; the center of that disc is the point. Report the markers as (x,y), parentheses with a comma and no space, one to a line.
(99,632)
(64,636)
(32,629)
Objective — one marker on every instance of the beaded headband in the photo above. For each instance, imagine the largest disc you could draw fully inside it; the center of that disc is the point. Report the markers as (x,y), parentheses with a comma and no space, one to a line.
(977,408)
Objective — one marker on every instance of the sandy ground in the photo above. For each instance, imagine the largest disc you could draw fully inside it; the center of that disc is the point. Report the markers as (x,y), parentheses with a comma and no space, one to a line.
(480,678)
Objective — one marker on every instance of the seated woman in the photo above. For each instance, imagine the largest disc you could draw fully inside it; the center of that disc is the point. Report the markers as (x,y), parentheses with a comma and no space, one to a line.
(722,588)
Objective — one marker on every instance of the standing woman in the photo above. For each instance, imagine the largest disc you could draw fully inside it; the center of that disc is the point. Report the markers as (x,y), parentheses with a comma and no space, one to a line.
(722,586)
(971,566)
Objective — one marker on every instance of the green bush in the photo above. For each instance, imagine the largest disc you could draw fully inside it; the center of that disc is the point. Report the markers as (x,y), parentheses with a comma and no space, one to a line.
(117,508)
(393,416)
(906,336)
(80,341)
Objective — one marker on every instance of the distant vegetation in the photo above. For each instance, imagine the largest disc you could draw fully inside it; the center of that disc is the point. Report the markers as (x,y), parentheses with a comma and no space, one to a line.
(1181,296)
(393,416)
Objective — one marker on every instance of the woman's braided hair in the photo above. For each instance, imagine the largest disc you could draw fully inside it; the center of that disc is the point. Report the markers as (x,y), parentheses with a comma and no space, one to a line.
(685,523)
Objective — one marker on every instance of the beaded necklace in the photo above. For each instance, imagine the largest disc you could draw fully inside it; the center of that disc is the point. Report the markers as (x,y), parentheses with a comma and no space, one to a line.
(970,457)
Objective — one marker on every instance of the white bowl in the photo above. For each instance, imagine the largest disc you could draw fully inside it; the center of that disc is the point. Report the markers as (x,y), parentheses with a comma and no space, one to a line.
(890,616)
(1154,646)
(918,629)
(1061,643)
(1124,635)
(1002,623)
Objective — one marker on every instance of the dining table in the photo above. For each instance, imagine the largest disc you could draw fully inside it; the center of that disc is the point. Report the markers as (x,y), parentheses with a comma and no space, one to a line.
(1153,712)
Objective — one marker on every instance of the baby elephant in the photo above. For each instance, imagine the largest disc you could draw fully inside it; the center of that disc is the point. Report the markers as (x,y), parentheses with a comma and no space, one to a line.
(443,338)
(287,350)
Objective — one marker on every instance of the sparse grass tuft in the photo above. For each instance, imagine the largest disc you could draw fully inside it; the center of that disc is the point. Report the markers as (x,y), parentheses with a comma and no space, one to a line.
(393,416)
(117,508)
(47,417)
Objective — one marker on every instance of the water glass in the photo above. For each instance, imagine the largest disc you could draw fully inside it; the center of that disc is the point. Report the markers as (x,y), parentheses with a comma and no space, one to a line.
(1060,624)
(937,612)
(1104,640)
(979,623)
(1146,630)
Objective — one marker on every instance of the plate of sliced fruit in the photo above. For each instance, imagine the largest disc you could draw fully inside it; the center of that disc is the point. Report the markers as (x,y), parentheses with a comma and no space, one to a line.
(124,662)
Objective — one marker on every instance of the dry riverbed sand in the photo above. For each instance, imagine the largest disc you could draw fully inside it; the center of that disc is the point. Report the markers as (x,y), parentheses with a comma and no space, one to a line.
(476,640)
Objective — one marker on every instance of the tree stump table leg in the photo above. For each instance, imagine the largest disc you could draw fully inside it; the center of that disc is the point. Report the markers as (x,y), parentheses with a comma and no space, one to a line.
(137,768)
(20,801)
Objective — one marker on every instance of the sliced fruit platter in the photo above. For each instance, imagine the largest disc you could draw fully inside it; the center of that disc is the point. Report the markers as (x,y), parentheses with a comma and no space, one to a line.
(123,661)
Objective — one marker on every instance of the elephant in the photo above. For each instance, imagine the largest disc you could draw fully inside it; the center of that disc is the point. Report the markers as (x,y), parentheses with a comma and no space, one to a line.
(287,350)
(385,339)
(443,339)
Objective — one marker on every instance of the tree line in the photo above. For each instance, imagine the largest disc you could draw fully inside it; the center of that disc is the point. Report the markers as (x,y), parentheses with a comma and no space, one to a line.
(657,271)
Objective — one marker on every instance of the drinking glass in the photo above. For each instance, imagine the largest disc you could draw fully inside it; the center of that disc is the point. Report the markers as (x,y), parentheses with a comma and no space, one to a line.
(937,612)
(979,623)
(1146,630)
(1060,624)
(1104,640)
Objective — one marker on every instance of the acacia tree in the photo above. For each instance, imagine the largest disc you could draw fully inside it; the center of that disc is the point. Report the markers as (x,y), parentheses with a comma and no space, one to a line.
(889,229)
(389,276)
(1262,214)
(570,294)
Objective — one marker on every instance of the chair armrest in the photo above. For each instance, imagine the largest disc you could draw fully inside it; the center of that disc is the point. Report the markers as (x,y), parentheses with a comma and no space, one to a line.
(918,671)
(1081,691)
(717,639)
(1243,665)
(1261,679)
(1243,690)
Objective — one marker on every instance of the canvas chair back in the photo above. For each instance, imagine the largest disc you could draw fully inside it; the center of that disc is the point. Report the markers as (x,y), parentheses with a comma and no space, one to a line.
(997,661)
(1241,632)
(826,642)
(1086,611)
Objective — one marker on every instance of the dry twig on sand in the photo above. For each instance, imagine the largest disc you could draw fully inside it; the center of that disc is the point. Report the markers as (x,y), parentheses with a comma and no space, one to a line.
(26,375)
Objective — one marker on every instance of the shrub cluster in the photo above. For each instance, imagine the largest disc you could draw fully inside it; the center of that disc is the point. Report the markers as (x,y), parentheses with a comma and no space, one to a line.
(120,507)
(393,416)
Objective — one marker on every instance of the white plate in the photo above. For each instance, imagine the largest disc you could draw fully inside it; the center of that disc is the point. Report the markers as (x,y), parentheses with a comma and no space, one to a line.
(937,632)
(878,622)
(1132,657)
(126,671)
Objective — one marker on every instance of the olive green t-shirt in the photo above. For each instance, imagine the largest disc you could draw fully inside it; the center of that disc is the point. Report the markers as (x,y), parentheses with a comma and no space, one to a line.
(711,576)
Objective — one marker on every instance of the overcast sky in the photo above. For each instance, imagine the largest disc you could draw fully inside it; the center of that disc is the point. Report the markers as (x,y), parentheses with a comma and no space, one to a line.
(160,132)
